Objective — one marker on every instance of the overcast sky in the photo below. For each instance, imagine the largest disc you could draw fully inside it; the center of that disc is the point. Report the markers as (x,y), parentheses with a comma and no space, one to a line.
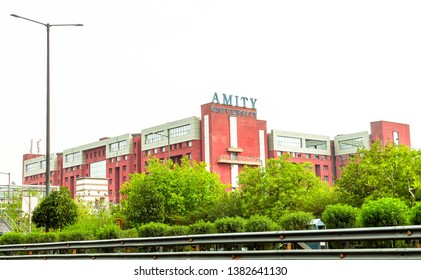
(323,67)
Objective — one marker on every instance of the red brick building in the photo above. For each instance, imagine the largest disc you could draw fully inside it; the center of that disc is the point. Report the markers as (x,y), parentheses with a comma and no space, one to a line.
(227,136)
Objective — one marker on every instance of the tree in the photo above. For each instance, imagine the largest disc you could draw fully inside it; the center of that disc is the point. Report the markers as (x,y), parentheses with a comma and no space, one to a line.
(56,211)
(384,212)
(390,171)
(279,187)
(340,216)
(171,193)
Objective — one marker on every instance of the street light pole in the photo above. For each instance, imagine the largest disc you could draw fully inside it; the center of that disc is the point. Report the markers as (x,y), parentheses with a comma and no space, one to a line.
(47,150)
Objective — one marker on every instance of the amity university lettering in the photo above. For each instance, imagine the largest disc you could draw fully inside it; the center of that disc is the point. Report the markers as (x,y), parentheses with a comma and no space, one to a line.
(236,101)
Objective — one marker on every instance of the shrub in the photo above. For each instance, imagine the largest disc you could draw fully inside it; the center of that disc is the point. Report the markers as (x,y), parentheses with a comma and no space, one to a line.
(297,220)
(38,237)
(152,229)
(202,227)
(177,231)
(415,214)
(230,224)
(12,238)
(258,223)
(384,212)
(340,216)
(76,235)
(108,232)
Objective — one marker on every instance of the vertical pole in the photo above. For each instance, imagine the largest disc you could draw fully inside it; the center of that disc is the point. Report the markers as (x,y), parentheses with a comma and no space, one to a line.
(47,153)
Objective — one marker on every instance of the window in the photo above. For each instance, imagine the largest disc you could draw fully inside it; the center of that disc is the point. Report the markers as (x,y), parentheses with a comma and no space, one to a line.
(289,141)
(189,143)
(396,137)
(180,131)
(32,166)
(308,156)
(72,157)
(155,151)
(155,137)
(98,169)
(325,167)
(118,146)
(326,178)
(351,143)
(316,144)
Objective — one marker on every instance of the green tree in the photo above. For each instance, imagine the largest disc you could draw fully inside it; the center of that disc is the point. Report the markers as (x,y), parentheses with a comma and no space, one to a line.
(384,212)
(340,216)
(296,220)
(56,211)
(171,193)
(378,172)
(281,186)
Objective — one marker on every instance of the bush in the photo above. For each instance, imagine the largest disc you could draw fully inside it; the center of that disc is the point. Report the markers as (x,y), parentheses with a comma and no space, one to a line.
(340,216)
(415,214)
(38,237)
(297,220)
(129,233)
(177,231)
(108,232)
(230,224)
(76,235)
(12,238)
(259,223)
(384,212)
(202,227)
(152,229)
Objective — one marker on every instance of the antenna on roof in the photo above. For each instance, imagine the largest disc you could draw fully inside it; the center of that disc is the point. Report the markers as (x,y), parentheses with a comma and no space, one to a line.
(39,141)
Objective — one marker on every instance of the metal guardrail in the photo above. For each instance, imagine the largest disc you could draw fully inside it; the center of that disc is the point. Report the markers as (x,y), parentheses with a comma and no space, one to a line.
(83,249)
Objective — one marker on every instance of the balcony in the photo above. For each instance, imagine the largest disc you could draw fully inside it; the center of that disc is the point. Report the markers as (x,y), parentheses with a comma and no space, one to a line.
(233,159)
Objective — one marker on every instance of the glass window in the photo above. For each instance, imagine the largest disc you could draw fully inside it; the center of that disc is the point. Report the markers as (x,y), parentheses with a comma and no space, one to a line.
(396,137)
(118,146)
(288,141)
(72,157)
(98,169)
(316,144)
(351,143)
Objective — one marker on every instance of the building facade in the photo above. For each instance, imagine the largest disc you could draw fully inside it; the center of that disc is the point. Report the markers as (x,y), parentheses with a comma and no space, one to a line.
(227,136)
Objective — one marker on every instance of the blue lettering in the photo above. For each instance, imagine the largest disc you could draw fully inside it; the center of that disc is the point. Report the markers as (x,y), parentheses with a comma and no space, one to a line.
(227,100)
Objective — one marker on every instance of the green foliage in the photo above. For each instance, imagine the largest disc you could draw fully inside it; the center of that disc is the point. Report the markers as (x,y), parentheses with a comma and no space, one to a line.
(12,238)
(109,232)
(226,204)
(171,193)
(202,227)
(340,216)
(297,220)
(144,202)
(40,237)
(177,231)
(230,225)
(55,211)
(152,229)
(391,171)
(384,212)
(259,223)
(415,214)
(281,186)
(75,235)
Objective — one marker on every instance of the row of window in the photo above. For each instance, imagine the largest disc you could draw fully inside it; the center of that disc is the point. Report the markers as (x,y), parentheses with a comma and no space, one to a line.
(171,134)
(164,148)
(307,156)
(296,142)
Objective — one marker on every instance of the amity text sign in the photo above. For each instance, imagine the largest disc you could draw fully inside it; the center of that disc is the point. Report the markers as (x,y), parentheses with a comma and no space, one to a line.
(237,101)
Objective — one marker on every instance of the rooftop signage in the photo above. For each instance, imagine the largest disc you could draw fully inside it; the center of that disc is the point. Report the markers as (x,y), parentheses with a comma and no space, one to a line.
(235,100)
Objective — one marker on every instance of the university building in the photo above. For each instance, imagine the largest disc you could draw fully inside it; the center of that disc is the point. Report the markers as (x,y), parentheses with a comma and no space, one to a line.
(227,136)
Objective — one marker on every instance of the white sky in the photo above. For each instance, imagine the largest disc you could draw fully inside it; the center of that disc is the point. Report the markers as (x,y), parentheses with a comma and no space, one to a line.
(323,67)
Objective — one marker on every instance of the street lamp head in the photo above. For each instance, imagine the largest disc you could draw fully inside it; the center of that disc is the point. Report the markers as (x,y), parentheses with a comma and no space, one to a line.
(13,15)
